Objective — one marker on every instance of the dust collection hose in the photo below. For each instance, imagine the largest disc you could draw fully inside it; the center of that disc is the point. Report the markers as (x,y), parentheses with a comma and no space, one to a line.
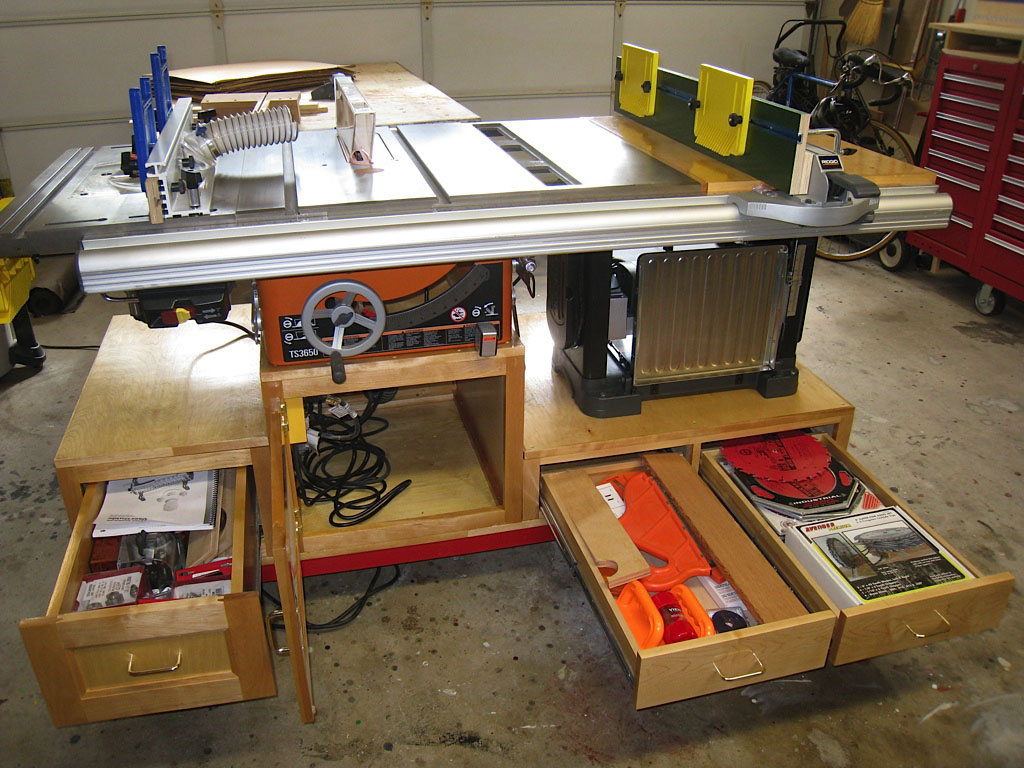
(245,130)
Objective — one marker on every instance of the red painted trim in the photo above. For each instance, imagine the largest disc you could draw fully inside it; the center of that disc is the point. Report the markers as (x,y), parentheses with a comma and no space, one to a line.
(465,546)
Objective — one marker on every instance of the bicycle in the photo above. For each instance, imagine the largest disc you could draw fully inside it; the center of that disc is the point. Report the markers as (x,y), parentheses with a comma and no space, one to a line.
(844,108)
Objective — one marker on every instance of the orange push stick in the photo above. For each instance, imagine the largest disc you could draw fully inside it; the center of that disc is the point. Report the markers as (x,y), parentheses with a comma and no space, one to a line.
(656,529)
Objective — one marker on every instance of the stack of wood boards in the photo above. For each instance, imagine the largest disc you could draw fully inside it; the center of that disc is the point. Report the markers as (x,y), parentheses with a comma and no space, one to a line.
(254,76)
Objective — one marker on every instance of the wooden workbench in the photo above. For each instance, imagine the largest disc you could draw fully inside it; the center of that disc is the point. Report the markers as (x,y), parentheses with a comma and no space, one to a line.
(161,401)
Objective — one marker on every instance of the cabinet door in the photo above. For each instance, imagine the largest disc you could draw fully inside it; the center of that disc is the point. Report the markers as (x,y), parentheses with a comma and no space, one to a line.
(288,566)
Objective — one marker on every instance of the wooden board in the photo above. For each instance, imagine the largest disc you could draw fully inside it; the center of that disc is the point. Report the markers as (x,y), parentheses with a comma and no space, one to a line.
(167,393)
(716,178)
(607,542)
(397,97)
(723,541)
(883,170)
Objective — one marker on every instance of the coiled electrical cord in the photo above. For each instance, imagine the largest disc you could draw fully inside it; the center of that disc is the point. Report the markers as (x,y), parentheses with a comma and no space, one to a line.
(346,469)
(349,614)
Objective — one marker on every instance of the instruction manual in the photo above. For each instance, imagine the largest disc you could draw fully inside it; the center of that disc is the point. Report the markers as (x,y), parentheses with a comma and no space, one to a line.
(185,501)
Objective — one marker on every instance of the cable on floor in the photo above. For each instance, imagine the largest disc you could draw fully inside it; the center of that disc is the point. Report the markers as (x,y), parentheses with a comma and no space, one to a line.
(352,612)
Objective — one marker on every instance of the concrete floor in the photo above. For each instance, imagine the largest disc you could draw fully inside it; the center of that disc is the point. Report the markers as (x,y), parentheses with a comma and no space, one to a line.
(496,659)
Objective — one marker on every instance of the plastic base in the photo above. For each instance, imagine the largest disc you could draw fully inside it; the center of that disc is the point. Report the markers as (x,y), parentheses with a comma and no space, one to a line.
(614,395)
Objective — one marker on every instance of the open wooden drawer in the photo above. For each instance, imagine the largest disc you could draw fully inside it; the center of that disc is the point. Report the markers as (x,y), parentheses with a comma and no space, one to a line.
(789,639)
(155,657)
(888,624)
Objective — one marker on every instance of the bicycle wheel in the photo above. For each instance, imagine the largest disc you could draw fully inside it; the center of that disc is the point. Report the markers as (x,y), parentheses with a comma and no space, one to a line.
(885,140)
(762,89)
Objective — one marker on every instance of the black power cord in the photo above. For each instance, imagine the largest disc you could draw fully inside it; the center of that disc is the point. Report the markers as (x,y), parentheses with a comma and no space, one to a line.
(349,614)
(345,469)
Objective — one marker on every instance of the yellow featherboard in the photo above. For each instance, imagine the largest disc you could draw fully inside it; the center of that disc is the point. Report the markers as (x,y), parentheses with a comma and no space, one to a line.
(721,122)
(639,66)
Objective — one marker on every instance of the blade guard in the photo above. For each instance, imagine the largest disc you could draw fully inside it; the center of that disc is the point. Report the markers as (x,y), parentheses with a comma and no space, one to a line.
(656,529)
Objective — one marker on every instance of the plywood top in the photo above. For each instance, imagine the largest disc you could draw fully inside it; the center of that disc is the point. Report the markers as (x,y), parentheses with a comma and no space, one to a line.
(556,429)
(715,178)
(718,178)
(885,171)
(397,97)
(156,393)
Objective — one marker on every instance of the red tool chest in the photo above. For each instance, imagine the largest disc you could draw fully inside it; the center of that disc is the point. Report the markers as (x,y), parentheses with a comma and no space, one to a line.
(974,142)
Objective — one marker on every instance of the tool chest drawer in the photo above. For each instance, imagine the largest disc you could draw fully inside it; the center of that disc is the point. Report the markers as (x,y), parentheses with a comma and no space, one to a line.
(159,656)
(789,638)
(883,625)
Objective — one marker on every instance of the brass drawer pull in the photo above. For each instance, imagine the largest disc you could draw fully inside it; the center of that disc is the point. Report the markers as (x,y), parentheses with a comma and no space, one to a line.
(139,672)
(270,618)
(755,673)
(920,636)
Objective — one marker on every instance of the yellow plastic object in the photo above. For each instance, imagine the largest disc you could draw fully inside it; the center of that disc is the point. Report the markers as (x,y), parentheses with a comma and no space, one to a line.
(639,66)
(15,280)
(641,615)
(721,121)
(296,416)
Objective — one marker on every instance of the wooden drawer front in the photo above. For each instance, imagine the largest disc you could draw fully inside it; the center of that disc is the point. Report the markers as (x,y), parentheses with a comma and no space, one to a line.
(790,639)
(154,657)
(882,626)
(122,662)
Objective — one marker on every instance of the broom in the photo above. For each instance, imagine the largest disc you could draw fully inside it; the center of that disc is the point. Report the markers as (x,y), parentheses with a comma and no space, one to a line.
(865,23)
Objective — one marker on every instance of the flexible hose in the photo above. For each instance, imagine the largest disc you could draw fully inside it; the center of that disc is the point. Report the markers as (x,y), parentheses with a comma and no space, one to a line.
(248,130)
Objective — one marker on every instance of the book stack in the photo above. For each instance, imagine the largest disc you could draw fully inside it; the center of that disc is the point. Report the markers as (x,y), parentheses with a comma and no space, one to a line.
(791,478)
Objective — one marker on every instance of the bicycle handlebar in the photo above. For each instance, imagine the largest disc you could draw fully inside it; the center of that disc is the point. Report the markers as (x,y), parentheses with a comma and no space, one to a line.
(798,23)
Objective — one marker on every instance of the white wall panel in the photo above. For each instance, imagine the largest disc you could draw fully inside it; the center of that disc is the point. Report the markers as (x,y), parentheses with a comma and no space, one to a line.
(528,48)
(59,72)
(345,36)
(30,152)
(54,10)
(516,109)
(735,35)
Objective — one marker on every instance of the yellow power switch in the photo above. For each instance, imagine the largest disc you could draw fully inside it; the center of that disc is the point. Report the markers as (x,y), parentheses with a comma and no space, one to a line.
(182,314)
(296,417)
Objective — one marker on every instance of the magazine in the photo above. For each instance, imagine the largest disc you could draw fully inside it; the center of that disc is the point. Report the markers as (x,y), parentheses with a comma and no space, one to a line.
(866,556)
